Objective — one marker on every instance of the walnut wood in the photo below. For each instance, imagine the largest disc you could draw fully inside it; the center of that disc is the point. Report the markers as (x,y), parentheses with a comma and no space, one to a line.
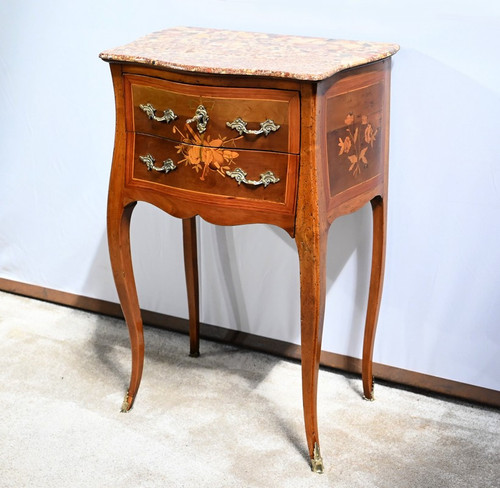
(379,210)
(191,268)
(208,79)
(317,185)
(223,104)
(185,204)
(358,83)
(379,213)
(118,226)
(184,181)
(311,239)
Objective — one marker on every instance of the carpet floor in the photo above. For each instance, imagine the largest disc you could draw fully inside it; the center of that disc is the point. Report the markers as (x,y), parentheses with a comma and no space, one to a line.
(231,418)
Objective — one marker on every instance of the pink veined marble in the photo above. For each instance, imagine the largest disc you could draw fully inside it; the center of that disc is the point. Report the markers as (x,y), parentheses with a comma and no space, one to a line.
(247,53)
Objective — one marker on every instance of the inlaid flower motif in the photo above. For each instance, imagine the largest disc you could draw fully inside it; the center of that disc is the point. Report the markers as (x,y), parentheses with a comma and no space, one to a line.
(370,134)
(356,143)
(204,154)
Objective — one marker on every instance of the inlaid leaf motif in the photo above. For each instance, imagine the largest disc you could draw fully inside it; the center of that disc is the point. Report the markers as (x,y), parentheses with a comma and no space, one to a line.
(362,157)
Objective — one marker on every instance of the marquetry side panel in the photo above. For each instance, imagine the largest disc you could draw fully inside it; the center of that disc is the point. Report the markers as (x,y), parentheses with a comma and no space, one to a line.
(357,121)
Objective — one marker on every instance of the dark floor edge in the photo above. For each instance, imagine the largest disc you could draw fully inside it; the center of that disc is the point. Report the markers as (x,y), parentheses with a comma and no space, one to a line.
(391,374)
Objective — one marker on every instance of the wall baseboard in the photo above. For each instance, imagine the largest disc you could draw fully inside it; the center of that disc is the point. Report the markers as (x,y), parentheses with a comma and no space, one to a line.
(402,377)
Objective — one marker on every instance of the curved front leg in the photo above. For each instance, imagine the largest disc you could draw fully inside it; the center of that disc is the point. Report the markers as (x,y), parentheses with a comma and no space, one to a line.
(379,209)
(312,254)
(121,263)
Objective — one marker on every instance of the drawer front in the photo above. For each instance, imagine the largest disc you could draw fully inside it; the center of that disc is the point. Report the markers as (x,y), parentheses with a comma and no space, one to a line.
(246,109)
(199,172)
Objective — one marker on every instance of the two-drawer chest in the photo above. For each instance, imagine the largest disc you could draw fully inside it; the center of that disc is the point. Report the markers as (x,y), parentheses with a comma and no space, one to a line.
(293,132)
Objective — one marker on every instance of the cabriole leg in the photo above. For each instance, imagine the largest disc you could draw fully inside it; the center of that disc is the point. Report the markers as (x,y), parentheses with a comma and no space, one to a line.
(121,263)
(312,254)
(376,281)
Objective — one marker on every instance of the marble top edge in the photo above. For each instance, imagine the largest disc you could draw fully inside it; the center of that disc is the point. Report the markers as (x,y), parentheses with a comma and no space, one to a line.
(217,51)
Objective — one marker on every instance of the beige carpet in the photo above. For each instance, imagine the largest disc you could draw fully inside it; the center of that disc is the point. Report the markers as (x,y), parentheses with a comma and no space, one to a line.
(231,418)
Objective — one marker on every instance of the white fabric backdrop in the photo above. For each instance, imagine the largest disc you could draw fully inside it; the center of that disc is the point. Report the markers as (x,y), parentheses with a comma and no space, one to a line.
(441,305)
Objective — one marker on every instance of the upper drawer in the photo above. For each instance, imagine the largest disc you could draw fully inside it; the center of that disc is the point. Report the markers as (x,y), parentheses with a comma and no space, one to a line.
(150,101)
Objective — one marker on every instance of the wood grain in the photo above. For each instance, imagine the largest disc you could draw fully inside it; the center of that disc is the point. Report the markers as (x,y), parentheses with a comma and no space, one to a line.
(331,158)
(192,285)
(223,104)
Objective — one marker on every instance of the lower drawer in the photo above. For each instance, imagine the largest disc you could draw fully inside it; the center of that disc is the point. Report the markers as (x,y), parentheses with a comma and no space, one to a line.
(214,174)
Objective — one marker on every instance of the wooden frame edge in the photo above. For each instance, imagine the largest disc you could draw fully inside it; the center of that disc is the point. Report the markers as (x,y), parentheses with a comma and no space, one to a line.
(391,374)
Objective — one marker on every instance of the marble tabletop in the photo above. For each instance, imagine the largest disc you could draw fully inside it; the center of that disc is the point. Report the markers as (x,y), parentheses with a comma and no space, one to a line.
(216,51)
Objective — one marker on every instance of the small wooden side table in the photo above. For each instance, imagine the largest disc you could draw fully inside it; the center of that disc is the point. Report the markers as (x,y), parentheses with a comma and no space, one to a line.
(243,128)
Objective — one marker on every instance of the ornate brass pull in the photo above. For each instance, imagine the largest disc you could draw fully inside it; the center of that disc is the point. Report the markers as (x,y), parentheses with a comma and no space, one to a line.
(201,118)
(168,115)
(240,126)
(149,161)
(265,178)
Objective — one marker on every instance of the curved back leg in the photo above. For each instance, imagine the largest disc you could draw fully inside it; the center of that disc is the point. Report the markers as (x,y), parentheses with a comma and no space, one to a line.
(379,210)
(191,269)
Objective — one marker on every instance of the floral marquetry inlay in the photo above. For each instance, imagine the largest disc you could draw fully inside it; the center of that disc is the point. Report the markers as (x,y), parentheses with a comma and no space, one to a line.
(205,154)
(355,136)
(358,140)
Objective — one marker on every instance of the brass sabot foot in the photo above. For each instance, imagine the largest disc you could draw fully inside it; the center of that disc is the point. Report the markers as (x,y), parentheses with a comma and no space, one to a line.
(317,460)
(371,399)
(126,404)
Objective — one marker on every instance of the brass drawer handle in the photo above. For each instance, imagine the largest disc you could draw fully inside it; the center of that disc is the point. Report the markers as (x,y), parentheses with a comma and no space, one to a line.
(149,161)
(201,118)
(168,115)
(265,178)
(240,126)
